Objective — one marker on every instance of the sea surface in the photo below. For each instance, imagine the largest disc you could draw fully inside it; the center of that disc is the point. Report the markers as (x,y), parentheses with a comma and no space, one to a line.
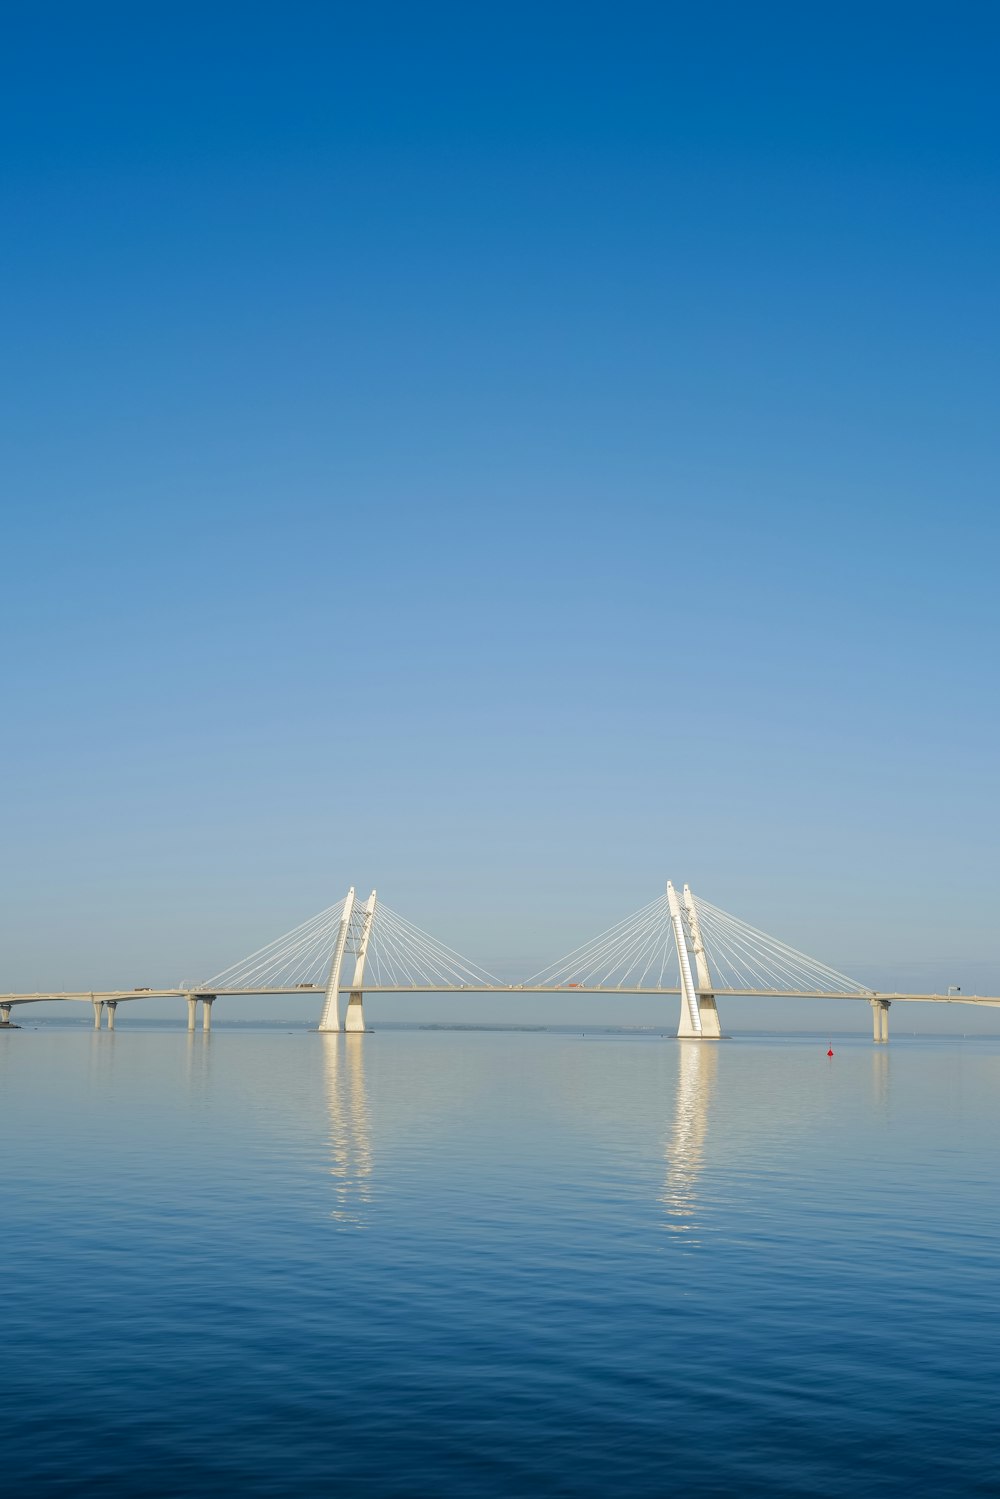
(469,1262)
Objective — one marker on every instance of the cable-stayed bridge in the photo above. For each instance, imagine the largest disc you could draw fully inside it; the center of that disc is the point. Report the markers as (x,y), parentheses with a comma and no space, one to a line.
(677,945)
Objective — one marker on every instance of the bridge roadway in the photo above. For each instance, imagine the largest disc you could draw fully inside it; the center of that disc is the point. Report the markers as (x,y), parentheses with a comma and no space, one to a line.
(109,999)
(302,989)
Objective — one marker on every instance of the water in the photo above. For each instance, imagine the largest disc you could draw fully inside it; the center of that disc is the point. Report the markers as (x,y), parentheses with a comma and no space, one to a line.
(447,1263)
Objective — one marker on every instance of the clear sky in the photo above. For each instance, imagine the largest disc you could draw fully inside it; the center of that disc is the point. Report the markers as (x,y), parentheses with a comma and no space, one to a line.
(509,455)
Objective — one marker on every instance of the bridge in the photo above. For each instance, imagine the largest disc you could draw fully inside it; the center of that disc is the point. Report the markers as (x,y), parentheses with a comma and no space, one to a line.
(677,945)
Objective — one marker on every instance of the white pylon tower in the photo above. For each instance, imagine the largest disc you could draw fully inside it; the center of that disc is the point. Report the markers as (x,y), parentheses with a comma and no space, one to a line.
(711,1029)
(355,1017)
(699,1016)
(330,1020)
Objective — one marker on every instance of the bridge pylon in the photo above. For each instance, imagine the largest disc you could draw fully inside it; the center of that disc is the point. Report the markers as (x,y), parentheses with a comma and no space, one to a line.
(355,1017)
(330,1019)
(699,1017)
(711,1028)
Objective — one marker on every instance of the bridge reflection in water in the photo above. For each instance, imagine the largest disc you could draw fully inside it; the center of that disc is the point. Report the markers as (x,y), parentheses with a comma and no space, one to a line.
(697,1066)
(349,1127)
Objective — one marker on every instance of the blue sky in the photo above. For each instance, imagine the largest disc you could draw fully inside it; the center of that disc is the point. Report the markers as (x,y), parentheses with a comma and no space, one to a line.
(506,455)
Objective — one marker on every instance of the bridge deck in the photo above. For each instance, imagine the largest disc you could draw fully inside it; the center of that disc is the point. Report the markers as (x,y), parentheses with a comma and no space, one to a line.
(565,989)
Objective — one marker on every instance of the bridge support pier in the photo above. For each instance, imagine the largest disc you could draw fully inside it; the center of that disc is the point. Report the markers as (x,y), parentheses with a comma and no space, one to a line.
(98,1007)
(207,1001)
(707,1026)
(4,1014)
(711,1025)
(192,1012)
(112,1007)
(880,1020)
(354,1020)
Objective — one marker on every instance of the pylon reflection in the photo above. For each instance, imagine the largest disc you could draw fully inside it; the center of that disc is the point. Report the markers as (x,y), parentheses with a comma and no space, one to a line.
(697,1065)
(350,1126)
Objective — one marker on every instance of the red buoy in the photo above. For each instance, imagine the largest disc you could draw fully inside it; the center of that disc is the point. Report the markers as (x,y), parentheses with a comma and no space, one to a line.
(830,1052)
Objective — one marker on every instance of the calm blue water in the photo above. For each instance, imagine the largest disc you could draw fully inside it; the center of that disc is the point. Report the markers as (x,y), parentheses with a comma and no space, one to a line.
(447,1263)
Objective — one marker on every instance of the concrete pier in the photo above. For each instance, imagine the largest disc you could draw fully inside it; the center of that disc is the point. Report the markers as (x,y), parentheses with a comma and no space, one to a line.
(880,1020)
(5,1014)
(112,1007)
(207,1001)
(355,1018)
(98,1007)
(192,1012)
